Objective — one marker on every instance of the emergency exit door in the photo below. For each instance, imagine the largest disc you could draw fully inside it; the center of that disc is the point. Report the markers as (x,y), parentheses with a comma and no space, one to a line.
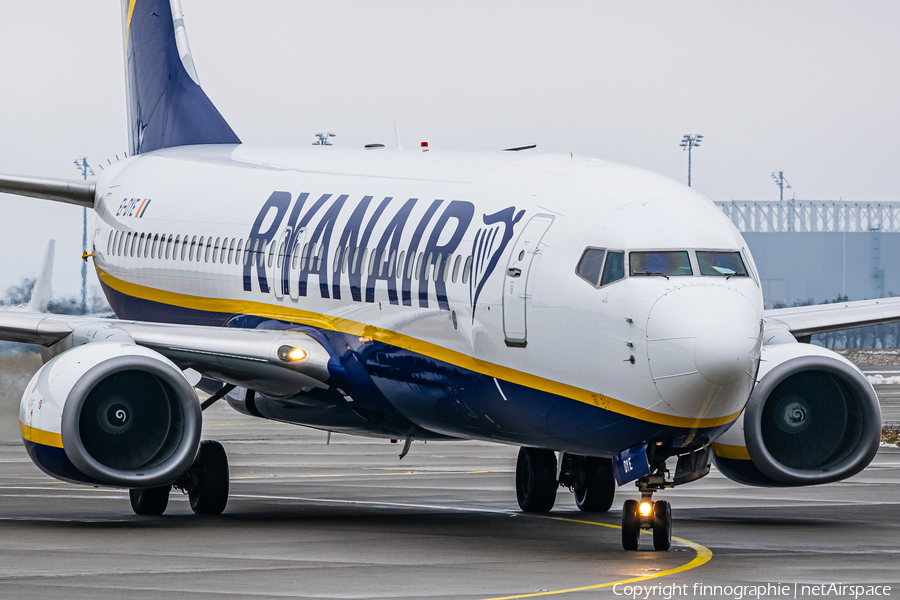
(516,298)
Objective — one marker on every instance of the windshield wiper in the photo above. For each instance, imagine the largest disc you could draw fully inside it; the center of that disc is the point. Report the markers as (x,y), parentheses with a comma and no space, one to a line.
(650,273)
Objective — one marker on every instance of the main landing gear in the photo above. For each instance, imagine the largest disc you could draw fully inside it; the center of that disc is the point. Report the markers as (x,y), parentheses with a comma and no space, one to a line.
(539,475)
(206,484)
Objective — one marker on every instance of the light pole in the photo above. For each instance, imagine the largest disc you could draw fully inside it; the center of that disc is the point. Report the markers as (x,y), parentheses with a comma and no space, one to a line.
(82,165)
(689,142)
(781,182)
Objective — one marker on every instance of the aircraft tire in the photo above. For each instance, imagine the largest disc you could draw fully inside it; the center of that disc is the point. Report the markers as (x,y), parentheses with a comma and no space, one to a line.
(536,483)
(599,488)
(662,525)
(150,501)
(631,525)
(209,494)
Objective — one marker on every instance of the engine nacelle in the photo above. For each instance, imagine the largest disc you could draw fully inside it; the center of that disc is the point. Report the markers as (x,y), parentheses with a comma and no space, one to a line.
(113,414)
(812,418)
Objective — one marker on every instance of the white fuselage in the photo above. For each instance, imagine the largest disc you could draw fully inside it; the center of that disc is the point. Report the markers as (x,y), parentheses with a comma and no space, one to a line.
(677,351)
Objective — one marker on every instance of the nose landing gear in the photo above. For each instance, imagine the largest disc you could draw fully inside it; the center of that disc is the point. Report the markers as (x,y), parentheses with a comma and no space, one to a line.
(646,514)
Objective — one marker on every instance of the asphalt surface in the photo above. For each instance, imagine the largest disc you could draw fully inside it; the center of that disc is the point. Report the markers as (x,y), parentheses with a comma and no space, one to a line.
(348,520)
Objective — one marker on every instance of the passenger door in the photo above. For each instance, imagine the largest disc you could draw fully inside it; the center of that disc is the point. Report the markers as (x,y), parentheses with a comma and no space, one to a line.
(516,277)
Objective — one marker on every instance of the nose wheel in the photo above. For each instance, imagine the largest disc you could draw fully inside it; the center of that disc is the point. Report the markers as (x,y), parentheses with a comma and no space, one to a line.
(647,515)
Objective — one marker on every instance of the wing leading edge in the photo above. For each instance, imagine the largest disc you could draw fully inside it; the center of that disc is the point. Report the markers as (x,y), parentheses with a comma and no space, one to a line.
(243,357)
(805,321)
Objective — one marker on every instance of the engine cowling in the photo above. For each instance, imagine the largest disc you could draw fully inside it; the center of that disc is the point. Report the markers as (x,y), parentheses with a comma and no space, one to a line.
(111,413)
(812,418)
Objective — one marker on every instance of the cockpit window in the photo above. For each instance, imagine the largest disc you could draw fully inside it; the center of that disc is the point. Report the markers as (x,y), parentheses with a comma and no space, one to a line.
(614,269)
(590,264)
(664,264)
(721,264)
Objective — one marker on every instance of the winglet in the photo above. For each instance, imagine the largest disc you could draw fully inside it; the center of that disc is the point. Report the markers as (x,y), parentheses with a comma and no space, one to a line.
(41,292)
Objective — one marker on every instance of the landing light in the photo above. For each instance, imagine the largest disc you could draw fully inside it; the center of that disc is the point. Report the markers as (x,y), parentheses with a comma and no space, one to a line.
(291,354)
(646,508)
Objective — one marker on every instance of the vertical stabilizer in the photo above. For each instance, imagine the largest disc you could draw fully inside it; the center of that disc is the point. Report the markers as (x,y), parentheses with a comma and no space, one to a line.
(166,106)
(41,292)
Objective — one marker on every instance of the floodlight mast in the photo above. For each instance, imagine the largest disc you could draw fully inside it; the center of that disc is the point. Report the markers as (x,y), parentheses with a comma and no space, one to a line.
(82,165)
(782,183)
(689,142)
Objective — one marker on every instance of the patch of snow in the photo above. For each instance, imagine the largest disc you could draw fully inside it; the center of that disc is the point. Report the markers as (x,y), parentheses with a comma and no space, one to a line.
(882,380)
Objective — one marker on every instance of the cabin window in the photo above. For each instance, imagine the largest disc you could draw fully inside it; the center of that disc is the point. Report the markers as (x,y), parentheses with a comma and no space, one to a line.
(662,264)
(148,244)
(155,244)
(346,259)
(320,257)
(237,251)
(467,272)
(721,264)
(215,251)
(231,250)
(445,268)
(117,245)
(390,272)
(280,261)
(418,265)
(372,262)
(303,256)
(251,251)
(401,266)
(169,246)
(362,260)
(337,259)
(127,242)
(109,242)
(456,267)
(175,247)
(224,251)
(438,263)
(140,245)
(310,257)
(355,260)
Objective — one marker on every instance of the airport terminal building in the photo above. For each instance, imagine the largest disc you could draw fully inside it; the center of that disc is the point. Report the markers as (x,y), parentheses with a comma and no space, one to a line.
(817,251)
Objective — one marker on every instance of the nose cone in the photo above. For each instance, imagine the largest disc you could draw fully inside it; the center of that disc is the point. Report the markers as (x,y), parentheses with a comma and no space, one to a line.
(703,345)
(723,354)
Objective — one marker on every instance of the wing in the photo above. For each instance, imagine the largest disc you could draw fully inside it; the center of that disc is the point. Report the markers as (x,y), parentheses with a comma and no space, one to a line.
(805,321)
(251,358)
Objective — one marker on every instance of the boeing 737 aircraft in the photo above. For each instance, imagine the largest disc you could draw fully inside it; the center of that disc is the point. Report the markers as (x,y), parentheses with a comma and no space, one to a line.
(603,318)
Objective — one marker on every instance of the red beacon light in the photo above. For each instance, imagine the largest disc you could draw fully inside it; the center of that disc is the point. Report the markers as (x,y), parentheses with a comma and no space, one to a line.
(424,146)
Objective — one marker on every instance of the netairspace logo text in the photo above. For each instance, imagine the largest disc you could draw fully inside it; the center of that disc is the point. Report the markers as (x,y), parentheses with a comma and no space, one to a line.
(742,592)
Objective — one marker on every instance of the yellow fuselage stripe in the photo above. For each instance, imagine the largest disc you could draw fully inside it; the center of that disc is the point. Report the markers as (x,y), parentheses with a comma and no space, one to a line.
(729,451)
(462,360)
(39,436)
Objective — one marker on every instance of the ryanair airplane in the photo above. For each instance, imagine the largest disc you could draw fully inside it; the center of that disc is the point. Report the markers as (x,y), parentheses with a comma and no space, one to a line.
(607,320)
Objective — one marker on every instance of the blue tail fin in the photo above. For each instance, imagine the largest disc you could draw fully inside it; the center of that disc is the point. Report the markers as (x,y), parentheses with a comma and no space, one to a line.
(166,106)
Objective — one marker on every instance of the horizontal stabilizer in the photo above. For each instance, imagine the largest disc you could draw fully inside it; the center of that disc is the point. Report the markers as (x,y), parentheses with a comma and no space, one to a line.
(70,191)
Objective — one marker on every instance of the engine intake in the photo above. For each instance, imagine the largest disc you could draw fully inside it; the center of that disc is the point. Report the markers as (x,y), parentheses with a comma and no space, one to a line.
(111,413)
(812,418)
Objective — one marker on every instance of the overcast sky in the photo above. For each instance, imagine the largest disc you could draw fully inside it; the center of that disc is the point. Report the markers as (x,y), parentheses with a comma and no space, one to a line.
(809,87)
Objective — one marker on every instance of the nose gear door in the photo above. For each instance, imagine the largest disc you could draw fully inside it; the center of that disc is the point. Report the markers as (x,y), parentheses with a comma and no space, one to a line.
(515,280)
